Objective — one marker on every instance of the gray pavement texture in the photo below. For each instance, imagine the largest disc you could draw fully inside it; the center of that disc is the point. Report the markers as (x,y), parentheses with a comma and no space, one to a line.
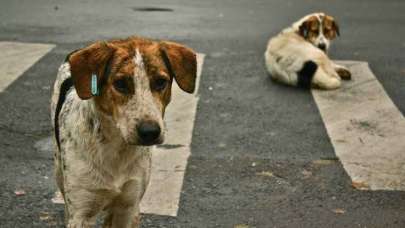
(260,153)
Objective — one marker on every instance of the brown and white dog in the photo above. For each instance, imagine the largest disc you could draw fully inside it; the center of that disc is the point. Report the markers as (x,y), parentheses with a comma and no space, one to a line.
(104,137)
(298,55)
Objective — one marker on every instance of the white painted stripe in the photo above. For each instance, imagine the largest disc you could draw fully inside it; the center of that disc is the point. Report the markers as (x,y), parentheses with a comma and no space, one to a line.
(16,58)
(168,165)
(366,129)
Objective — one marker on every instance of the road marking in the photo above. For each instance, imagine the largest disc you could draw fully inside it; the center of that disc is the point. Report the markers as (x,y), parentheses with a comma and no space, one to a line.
(16,58)
(366,129)
(169,162)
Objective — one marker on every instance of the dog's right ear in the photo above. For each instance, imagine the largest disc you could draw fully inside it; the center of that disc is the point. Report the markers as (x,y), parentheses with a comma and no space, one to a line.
(307,26)
(87,62)
(304,29)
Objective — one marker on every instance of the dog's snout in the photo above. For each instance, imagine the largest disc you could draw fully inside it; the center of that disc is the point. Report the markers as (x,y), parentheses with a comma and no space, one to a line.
(149,132)
(322,46)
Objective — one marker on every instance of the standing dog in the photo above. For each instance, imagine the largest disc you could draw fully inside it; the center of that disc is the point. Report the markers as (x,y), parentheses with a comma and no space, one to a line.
(107,109)
(298,55)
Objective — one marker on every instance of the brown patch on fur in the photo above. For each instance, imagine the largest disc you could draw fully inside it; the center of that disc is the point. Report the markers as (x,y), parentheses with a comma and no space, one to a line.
(88,61)
(309,29)
(157,70)
(122,67)
(183,62)
(330,27)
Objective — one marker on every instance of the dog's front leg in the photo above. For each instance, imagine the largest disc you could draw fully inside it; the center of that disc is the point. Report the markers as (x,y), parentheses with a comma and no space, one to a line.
(84,205)
(124,210)
(82,223)
(342,71)
(122,217)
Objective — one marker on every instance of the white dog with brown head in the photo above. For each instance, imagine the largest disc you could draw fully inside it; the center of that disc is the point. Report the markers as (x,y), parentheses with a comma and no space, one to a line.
(107,109)
(298,55)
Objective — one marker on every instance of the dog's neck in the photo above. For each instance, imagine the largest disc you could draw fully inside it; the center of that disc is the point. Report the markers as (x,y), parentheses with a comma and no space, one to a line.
(101,126)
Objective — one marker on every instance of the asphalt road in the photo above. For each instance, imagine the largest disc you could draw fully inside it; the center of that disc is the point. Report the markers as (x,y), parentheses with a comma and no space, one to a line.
(246,125)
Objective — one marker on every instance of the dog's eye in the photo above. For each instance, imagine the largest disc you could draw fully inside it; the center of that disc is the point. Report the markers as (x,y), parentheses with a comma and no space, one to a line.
(328,33)
(121,86)
(160,84)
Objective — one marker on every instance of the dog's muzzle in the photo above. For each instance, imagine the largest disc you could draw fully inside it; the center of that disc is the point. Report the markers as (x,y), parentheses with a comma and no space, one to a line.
(322,46)
(149,133)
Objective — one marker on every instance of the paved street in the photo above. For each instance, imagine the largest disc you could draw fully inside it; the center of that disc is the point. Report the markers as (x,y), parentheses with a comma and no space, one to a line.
(249,152)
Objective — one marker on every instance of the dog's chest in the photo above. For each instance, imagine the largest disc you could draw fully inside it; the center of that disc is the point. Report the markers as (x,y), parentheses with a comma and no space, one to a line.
(124,165)
(104,166)
(133,164)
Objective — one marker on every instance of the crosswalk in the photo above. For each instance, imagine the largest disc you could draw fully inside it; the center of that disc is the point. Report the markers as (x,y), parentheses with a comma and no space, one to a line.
(366,130)
(16,58)
(170,160)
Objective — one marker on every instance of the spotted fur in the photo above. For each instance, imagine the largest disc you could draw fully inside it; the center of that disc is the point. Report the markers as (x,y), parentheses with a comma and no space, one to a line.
(101,163)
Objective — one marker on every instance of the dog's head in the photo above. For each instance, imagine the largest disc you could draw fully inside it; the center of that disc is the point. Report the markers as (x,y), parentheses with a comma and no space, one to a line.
(318,29)
(134,78)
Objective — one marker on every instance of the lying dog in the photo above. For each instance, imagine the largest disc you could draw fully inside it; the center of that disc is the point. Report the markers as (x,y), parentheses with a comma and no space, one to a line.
(107,109)
(298,55)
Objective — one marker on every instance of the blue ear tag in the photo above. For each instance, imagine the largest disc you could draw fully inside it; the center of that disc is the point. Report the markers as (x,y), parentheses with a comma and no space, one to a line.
(94,89)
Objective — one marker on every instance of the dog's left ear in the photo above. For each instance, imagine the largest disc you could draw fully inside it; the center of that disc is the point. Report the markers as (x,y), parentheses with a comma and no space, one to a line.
(181,63)
(331,23)
(335,26)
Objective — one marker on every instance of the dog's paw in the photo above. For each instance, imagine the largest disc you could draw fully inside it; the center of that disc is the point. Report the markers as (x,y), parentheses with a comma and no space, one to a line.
(344,73)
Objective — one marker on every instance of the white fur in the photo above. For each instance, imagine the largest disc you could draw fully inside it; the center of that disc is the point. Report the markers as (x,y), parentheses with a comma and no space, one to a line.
(138,60)
(287,52)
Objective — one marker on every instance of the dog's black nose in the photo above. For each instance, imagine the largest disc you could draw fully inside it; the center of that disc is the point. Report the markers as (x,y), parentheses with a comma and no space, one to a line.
(322,47)
(148,132)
